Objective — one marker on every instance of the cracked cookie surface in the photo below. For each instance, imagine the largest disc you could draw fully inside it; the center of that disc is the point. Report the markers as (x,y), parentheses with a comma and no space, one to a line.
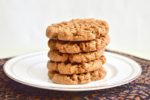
(78,30)
(78,47)
(56,56)
(77,78)
(69,69)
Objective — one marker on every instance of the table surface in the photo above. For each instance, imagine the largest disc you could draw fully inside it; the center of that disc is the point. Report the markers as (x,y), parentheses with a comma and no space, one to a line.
(137,90)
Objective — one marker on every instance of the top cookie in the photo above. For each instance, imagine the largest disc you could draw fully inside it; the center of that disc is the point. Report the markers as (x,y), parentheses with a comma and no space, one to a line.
(78,30)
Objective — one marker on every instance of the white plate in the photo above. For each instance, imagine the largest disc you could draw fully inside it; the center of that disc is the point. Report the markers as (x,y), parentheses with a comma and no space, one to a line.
(31,70)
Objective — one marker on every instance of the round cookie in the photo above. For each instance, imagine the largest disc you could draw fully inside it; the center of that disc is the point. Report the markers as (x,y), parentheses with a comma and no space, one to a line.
(78,47)
(78,30)
(77,78)
(69,69)
(56,56)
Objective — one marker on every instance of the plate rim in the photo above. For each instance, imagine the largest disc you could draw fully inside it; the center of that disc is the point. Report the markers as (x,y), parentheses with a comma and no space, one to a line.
(9,62)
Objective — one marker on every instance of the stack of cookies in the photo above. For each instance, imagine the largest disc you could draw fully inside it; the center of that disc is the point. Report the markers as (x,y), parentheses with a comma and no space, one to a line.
(77,51)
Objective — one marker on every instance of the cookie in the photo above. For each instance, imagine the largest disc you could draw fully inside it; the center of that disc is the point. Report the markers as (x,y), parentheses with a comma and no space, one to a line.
(68,68)
(77,47)
(56,56)
(77,78)
(78,30)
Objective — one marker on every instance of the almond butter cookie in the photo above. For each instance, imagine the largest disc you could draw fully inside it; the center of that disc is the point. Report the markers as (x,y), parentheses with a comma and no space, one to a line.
(56,56)
(78,30)
(69,69)
(77,47)
(77,78)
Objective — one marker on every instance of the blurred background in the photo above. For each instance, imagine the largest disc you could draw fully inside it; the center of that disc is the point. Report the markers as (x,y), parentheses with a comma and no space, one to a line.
(23,23)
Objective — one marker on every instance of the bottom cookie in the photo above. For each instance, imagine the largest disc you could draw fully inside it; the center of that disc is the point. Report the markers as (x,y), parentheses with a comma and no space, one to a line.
(77,78)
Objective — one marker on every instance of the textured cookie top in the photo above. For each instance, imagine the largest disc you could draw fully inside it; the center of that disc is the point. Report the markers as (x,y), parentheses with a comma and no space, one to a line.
(68,68)
(78,47)
(78,30)
(77,78)
(56,56)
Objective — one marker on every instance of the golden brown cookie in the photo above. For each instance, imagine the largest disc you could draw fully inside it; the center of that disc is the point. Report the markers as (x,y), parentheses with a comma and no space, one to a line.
(78,30)
(77,78)
(68,68)
(77,47)
(56,56)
